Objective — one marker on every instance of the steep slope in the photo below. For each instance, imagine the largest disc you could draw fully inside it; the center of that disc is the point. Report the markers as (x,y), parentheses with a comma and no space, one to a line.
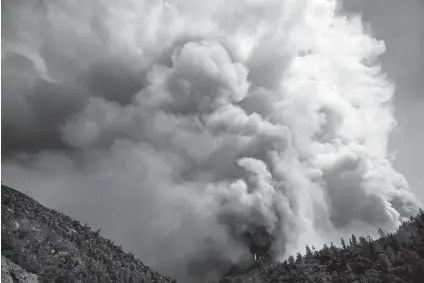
(59,249)
(54,247)
(394,257)
(12,273)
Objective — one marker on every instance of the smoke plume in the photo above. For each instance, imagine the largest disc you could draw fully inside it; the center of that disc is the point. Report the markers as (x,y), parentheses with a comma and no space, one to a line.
(178,126)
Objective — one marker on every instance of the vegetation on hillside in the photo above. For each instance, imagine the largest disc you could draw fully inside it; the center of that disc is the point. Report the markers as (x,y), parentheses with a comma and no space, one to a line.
(59,249)
(394,257)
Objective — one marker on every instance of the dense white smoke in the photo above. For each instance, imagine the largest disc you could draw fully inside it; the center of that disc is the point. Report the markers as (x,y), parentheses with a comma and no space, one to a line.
(176,126)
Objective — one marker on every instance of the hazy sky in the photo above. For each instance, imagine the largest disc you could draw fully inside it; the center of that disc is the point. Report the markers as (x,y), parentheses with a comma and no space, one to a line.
(401,25)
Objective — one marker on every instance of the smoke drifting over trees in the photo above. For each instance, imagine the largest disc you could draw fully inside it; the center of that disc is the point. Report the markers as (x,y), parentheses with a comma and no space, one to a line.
(179,126)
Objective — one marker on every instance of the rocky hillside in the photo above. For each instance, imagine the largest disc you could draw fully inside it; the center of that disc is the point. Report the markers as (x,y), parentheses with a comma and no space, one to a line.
(43,245)
(12,273)
(56,248)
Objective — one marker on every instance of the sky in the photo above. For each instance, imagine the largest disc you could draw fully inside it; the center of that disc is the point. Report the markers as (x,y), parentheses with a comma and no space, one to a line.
(401,25)
(179,128)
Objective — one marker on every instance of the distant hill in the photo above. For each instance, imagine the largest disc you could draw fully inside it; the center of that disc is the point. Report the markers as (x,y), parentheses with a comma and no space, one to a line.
(394,257)
(57,248)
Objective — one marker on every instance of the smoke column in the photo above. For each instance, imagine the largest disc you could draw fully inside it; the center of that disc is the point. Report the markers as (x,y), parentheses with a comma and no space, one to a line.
(177,126)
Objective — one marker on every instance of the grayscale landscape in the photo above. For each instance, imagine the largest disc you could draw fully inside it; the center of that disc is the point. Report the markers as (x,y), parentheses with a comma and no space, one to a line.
(212,141)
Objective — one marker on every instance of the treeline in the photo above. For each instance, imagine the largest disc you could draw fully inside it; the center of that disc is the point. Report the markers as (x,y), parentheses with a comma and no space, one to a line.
(59,249)
(394,257)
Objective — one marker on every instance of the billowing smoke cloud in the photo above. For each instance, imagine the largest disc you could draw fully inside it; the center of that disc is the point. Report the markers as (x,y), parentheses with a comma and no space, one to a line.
(180,126)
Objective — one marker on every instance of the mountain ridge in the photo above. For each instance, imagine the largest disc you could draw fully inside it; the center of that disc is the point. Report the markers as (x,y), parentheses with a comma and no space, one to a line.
(56,248)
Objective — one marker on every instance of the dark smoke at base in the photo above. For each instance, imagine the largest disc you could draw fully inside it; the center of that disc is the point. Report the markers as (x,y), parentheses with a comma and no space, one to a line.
(208,264)
(194,132)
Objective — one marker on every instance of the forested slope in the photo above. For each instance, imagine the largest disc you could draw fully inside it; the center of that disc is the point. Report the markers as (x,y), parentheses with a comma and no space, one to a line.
(59,249)
(394,257)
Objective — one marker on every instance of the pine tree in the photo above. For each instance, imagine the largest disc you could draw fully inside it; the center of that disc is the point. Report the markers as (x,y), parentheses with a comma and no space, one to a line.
(291,260)
(325,248)
(354,241)
(308,251)
(333,248)
(384,262)
(381,233)
(299,259)
(343,243)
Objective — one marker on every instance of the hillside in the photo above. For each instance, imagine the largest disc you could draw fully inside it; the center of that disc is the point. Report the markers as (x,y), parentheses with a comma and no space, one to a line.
(57,248)
(394,257)
(12,273)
